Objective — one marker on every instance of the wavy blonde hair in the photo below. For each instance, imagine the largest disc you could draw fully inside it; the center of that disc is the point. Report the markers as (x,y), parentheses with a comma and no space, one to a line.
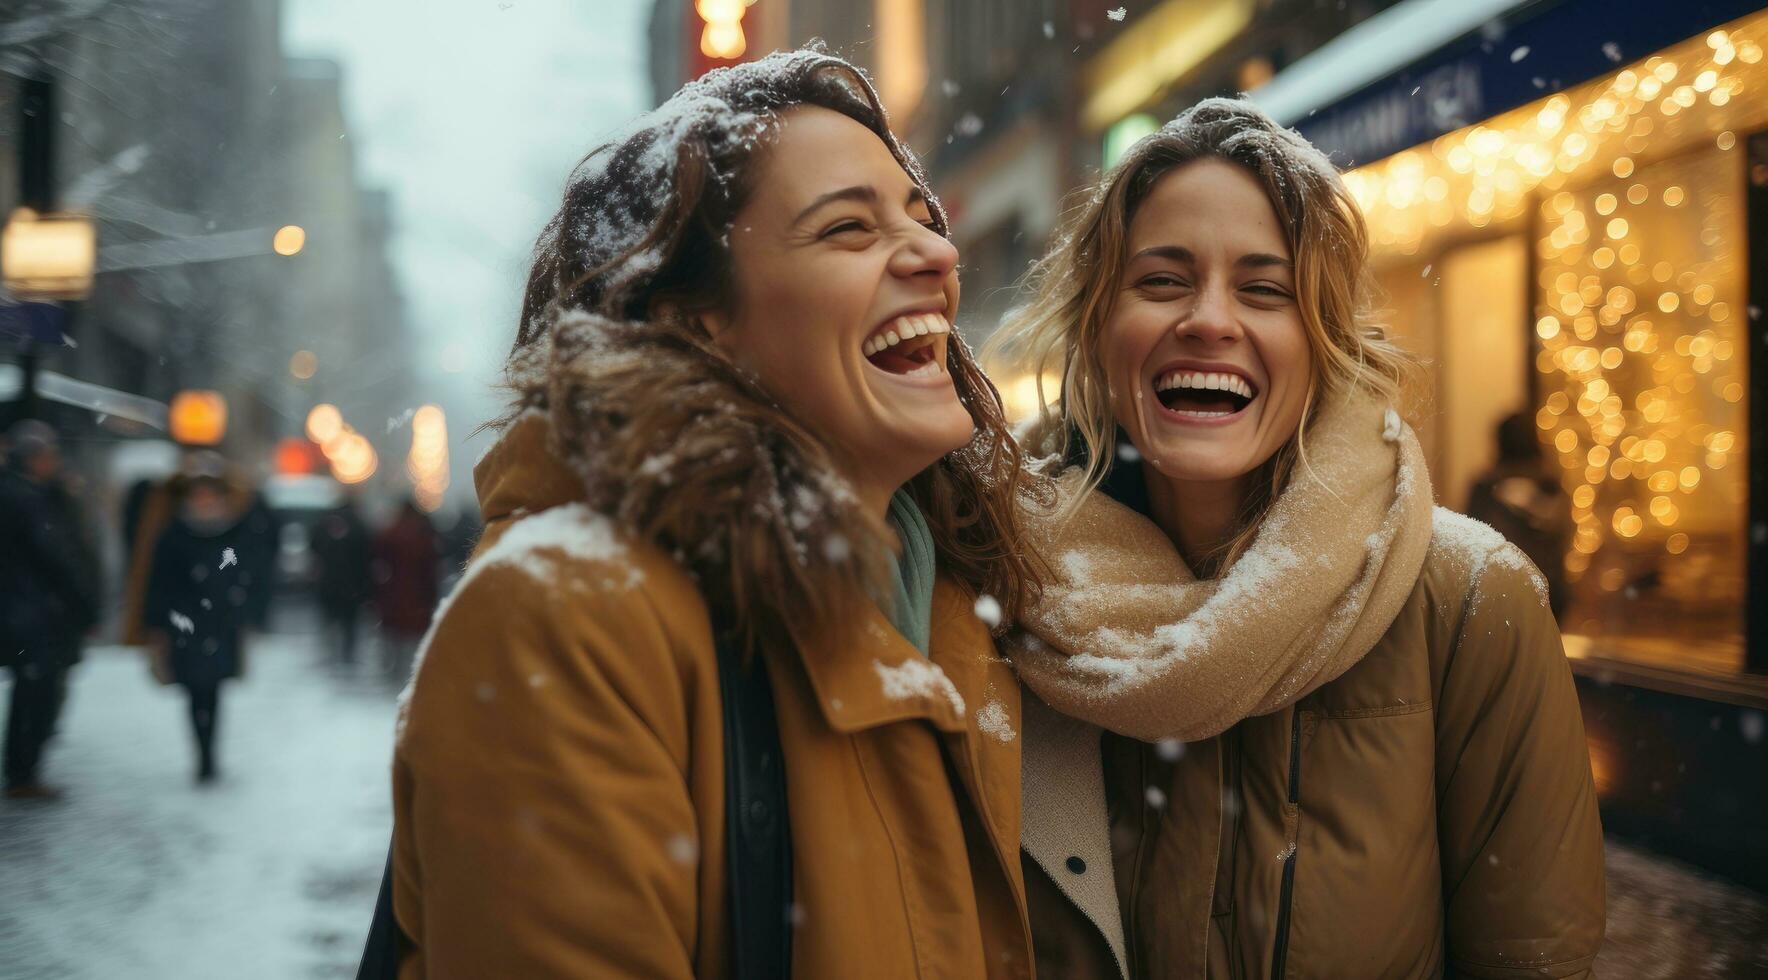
(1075,287)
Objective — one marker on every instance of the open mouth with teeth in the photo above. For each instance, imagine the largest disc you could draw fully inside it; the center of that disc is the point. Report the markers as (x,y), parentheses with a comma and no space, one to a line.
(908,345)
(1204,394)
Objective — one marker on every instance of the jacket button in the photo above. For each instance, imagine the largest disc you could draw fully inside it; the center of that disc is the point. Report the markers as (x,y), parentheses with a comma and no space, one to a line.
(1077,866)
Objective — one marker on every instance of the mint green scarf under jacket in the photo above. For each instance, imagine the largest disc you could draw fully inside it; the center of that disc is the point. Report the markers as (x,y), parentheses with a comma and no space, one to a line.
(912,611)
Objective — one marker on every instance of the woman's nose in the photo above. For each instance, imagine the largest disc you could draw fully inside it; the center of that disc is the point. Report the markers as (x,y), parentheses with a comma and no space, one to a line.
(1210,319)
(925,252)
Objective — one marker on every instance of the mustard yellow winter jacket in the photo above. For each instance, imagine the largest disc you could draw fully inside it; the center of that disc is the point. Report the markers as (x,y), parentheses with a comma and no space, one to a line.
(558,780)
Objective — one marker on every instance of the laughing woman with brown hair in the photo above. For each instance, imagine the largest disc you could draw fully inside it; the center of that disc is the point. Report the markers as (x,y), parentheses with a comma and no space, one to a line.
(742,420)
(1341,738)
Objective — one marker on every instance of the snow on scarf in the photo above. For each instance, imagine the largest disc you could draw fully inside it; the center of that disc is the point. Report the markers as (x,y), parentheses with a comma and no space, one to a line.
(1127,638)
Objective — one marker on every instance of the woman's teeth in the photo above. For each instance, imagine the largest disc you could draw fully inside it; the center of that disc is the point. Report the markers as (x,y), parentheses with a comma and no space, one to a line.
(1203,381)
(1203,394)
(905,328)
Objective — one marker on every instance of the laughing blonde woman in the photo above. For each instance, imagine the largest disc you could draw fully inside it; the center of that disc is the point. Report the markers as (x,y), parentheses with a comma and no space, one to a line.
(1289,720)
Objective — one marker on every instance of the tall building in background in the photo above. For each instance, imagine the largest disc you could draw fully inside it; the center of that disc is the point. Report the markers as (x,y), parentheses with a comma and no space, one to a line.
(193,141)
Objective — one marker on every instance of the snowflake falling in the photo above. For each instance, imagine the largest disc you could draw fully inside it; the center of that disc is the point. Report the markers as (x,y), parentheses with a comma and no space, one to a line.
(988,609)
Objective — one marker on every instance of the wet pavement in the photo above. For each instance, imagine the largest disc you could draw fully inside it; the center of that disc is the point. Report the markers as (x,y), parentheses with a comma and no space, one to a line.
(1667,921)
(272,871)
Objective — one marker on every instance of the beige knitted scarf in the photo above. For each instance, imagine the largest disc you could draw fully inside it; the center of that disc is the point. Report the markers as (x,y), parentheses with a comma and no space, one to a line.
(1127,638)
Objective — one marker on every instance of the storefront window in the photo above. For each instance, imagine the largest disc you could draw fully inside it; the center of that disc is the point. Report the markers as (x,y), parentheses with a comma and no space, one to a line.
(1618,209)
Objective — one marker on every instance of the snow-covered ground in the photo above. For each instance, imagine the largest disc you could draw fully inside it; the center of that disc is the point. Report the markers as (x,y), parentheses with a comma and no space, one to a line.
(138,872)
(271,873)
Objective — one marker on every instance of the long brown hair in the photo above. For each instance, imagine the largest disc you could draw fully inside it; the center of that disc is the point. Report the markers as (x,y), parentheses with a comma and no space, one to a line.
(1076,284)
(610,347)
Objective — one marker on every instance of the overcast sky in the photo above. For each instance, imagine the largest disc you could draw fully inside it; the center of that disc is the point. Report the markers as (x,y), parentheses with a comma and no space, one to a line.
(472,112)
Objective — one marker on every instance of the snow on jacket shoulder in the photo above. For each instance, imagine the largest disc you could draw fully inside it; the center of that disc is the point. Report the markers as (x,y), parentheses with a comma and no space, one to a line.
(558,777)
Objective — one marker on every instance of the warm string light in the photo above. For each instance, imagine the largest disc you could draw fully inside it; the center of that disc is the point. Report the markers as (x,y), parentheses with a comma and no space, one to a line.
(1632,349)
(1487,174)
(1639,287)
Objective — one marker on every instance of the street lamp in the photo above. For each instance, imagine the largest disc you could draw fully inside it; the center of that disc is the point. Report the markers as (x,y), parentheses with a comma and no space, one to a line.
(48,256)
(198,418)
(289,240)
(427,464)
(324,423)
(353,460)
(722,37)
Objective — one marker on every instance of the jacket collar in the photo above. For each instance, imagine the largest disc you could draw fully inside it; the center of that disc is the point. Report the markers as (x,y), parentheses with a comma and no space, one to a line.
(868,676)
(872,675)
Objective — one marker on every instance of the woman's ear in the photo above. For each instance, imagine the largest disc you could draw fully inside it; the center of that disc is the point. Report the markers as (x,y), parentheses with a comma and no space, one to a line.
(717,326)
(714,322)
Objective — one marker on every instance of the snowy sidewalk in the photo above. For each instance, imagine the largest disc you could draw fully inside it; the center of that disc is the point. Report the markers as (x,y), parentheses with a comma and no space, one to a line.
(272,872)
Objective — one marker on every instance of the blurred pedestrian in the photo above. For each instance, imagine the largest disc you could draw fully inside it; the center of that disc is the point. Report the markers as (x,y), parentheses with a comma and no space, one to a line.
(1520,499)
(407,554)
(149,510)
(207,587)
(49,597)
(344,551)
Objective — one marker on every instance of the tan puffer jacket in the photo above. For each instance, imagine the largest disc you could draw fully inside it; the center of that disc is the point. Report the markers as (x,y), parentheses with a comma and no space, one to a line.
(1429,812)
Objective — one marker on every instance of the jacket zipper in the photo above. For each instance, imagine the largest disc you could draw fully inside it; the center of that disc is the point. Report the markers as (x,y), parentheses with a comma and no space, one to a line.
(1280,952)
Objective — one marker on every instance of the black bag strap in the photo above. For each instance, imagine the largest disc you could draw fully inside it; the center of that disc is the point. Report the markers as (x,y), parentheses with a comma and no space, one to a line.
(757,829)
(387,942)
(758,841)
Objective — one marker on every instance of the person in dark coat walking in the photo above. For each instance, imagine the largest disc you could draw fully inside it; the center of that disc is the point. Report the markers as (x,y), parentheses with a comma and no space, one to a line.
(208,585)
(407,554)
(344,550)
(48,598)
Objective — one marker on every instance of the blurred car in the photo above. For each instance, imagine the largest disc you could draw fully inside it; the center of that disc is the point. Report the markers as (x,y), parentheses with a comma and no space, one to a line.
(299,503)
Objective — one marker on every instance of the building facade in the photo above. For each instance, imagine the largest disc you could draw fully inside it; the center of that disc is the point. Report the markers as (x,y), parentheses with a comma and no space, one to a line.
(1569,211)
(190,139)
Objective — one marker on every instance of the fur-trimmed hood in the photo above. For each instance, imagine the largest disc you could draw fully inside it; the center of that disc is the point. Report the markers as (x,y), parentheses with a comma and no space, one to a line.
(649,425)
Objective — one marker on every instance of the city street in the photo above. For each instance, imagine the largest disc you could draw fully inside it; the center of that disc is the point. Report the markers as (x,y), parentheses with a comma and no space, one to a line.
(272,871)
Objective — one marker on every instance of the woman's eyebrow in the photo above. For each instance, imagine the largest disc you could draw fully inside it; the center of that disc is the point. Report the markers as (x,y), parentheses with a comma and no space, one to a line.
(860,193)
(1176,253)
(1262,260)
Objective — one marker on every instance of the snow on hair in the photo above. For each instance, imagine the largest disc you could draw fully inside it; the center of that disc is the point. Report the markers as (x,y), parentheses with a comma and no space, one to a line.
(611,347)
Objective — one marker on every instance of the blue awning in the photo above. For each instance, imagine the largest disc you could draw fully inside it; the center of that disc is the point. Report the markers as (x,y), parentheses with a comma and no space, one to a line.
(39,323)
(1423,68)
